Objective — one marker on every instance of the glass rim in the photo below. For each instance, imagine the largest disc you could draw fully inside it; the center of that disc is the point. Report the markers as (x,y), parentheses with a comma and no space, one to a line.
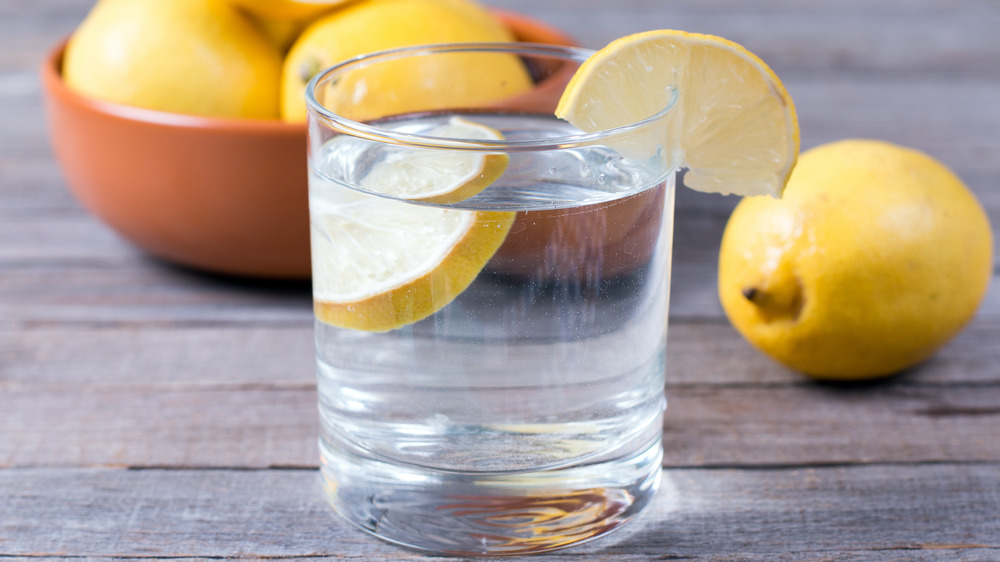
(375,133)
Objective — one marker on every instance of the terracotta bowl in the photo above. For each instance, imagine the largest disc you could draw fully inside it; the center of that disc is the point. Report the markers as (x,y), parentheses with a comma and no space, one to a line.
(223,195)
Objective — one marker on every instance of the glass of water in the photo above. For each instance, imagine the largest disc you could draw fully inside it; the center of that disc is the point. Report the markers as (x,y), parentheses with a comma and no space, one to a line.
(491,291)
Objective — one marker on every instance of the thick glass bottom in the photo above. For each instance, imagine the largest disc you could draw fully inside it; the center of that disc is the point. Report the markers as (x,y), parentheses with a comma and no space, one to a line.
(468,514)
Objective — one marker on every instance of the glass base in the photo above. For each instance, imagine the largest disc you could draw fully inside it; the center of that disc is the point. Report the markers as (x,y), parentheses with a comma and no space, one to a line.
(469,514)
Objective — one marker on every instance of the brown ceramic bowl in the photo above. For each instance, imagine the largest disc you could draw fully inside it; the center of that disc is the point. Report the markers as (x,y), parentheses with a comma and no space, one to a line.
(223,195)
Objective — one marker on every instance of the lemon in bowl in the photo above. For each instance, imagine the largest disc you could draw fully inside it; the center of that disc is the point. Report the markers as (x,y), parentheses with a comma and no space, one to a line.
(194,57)
(378,25)
(222,194)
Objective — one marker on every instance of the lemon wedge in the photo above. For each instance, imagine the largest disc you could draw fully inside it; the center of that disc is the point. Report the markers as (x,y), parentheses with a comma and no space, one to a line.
(381,263)
(435,175)
(735,124)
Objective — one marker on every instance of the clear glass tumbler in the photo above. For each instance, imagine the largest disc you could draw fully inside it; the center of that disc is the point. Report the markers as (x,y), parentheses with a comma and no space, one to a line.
(491,291)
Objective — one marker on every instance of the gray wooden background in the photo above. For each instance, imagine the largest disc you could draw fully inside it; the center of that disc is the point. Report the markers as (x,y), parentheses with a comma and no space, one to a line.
(151,412)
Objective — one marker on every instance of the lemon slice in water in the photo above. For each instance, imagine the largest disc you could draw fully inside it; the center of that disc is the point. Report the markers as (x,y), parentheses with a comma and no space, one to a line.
(435,175)
(381,263)
(736,127)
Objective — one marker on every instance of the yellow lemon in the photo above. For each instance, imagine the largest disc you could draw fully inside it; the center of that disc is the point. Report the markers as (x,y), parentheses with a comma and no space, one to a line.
(481,18)
(734,125)
(874,258)
(288,10)
(281,33)
(375,25)
(283,20)
(369,270)
(199,57)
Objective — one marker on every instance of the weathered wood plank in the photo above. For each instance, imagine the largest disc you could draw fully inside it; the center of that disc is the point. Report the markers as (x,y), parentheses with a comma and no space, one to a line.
(153,357)
(853,513)
(113,283)
(259,424)
(819,425)
(233,356)
(129,426)
(70,236)
(143,291)
(87,295)
(33,186)
(712,354)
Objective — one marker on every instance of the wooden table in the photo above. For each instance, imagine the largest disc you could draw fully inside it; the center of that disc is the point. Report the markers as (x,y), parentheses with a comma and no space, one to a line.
(147,411)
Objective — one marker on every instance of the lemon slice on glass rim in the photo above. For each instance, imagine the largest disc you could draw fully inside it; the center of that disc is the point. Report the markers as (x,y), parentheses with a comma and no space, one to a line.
(735,125)
(380,263)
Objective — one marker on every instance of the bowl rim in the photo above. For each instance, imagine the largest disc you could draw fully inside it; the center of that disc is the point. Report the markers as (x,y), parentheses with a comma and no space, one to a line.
(51,71)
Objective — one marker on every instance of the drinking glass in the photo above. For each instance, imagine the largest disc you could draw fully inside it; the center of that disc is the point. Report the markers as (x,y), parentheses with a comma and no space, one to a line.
(521,411)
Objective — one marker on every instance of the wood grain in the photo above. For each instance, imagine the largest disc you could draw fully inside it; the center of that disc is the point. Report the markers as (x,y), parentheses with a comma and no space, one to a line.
(102,281)
(708,354)
(847,513)
(274,426)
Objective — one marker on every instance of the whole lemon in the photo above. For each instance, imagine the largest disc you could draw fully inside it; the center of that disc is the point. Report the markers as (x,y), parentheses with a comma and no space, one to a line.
(375,25)
(875,256)
(198,57)
(288,10)
(281,33)
(282,21)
